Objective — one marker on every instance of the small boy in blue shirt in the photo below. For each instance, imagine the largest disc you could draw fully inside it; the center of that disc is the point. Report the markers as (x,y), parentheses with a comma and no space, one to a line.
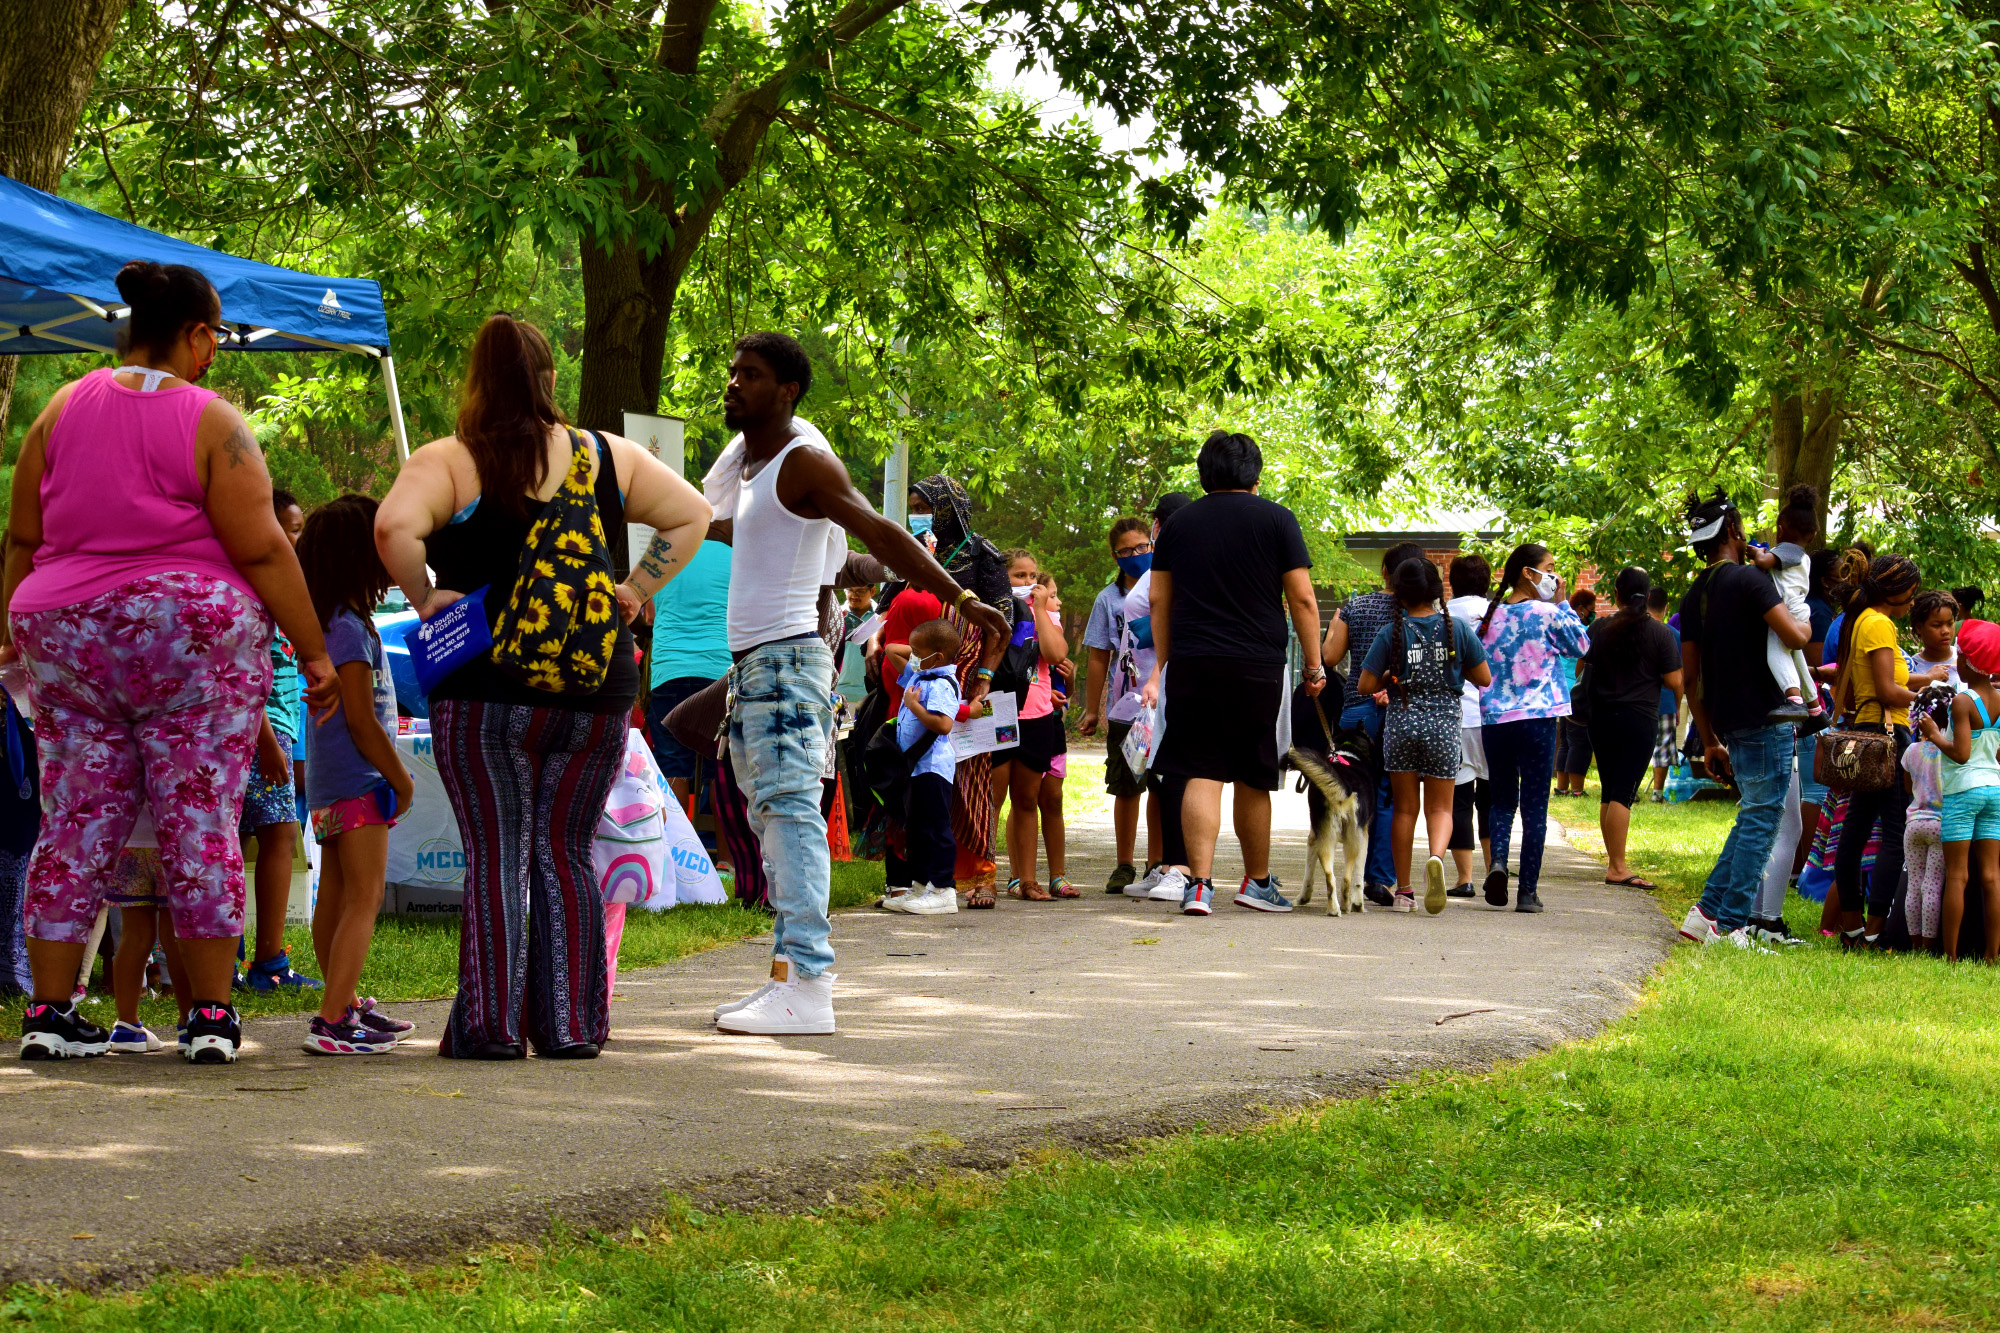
(930,706)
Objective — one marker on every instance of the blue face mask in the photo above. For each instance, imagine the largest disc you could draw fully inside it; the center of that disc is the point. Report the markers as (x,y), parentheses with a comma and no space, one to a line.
(1132,566)
(920,524)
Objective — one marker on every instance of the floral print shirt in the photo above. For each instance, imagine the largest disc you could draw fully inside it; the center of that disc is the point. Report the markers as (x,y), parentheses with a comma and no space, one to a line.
(1525,643)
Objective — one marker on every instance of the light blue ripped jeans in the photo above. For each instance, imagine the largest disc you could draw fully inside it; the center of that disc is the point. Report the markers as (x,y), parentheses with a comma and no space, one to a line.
(779,730)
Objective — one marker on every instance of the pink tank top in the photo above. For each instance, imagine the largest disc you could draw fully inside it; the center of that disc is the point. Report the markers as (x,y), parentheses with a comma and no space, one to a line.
(120,499)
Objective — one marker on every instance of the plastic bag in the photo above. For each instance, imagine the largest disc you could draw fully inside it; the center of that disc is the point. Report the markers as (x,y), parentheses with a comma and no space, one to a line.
(1138,748)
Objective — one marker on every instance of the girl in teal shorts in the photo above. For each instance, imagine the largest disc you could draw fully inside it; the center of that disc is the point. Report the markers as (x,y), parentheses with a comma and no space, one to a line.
(1971,783)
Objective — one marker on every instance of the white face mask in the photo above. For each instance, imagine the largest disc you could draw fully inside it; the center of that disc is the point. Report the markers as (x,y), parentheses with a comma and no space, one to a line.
(1547,585)
(1024,591)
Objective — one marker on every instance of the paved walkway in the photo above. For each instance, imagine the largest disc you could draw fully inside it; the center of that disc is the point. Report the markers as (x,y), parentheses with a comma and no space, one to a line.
(963,1040)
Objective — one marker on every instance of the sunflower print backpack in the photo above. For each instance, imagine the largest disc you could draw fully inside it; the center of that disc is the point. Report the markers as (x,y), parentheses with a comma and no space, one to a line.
(560,625)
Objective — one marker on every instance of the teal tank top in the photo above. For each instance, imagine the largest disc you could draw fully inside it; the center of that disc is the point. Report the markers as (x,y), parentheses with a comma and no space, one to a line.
(1982,767)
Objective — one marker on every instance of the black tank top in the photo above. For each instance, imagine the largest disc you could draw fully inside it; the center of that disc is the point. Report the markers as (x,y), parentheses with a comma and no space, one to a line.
(483,550)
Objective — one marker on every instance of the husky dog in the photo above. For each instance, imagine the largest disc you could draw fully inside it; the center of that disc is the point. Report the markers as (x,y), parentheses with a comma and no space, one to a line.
(1340,796)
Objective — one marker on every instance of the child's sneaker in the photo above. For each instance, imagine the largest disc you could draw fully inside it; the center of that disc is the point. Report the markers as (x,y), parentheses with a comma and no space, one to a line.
(49,1033)
(1406,901)
(930,900)
(133,1039)
(1434,890)
(365,1012)
(345,1037)
(213,1035)
(276,973)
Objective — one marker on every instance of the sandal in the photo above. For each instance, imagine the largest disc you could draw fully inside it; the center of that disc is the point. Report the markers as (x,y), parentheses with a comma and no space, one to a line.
(1062,888)
(1029,892)
(979,898)
(1632,882)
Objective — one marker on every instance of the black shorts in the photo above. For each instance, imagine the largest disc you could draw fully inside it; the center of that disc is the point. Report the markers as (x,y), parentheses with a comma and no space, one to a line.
(1222,720)
(1118,778)
(1471,803)
(1042,740)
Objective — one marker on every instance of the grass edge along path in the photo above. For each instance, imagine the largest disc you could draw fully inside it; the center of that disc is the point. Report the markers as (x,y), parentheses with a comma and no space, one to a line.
(1764,1142)
(416,958)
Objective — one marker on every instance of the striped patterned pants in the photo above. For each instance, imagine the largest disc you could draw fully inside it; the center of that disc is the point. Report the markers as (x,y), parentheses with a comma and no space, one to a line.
(527,785)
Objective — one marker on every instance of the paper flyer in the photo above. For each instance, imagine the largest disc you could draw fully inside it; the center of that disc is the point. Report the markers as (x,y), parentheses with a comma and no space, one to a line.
(996,726)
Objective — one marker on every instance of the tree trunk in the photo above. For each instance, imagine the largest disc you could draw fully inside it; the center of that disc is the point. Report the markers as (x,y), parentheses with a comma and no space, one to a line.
(49,54)
(1805,437)
(627,308)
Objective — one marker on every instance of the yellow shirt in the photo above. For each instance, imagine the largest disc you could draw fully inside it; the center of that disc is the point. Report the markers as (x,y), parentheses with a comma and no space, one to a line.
(1872,630)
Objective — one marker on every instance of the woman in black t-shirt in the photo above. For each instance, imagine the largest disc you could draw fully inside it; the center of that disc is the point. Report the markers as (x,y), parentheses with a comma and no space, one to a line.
(1631,658)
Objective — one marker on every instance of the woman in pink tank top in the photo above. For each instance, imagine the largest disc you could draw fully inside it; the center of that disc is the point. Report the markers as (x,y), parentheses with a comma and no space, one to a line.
(144,565)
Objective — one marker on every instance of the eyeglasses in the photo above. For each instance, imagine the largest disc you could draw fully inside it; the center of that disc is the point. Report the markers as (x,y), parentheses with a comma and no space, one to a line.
(1143,548)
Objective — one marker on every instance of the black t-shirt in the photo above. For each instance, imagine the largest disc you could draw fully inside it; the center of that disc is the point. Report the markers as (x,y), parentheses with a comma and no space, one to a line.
(1228,555)
(1627,662)
(1736,686)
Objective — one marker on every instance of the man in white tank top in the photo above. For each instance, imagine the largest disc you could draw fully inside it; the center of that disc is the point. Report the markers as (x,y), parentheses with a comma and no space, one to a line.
(784,501)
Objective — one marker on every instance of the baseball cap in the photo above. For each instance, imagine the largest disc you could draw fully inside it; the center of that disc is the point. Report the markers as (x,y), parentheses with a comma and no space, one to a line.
(1979,640)
(1170,504)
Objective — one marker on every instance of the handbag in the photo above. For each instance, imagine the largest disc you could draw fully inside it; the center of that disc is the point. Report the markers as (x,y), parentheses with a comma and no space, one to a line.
(560,625)
(1852,758)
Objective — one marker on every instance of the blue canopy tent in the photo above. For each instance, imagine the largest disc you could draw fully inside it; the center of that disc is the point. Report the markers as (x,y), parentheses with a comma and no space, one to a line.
(58,262)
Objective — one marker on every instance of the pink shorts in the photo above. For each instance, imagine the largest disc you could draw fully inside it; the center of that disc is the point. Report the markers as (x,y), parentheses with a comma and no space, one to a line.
(346,816)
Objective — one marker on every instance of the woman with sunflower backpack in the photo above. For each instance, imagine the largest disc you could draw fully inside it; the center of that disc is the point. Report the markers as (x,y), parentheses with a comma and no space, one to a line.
(529,734)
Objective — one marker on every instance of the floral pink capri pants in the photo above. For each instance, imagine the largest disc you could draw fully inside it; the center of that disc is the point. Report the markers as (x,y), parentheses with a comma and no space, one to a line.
(153,691)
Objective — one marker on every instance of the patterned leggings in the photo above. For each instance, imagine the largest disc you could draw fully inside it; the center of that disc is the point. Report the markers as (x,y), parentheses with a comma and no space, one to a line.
(527,785)
(149,693)
(1923,857)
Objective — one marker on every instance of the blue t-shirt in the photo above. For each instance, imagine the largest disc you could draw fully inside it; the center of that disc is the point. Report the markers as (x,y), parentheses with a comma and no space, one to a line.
(335,770)
(691,619)
(1429,672)
(937,690)
(1670,706)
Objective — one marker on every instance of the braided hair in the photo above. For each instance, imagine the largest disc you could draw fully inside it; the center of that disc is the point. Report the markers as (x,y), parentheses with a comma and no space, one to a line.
(1415,582)
(1889,578)
(1526,556)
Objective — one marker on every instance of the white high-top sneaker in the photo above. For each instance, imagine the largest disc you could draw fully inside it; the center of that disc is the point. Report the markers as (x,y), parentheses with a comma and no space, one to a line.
(803,1007)
(933,901)
(780,972)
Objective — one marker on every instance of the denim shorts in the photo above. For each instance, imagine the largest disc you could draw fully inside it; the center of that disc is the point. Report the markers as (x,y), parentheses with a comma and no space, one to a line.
(1971,814)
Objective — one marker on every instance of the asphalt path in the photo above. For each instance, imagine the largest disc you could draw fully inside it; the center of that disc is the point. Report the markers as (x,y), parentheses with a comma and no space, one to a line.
(964,1041)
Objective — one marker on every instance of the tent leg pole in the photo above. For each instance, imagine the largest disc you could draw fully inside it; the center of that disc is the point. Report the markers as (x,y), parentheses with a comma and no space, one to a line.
(396,410)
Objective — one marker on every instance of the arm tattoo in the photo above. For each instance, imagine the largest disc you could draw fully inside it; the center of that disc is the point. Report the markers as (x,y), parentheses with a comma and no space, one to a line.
(656,563)
(241,445)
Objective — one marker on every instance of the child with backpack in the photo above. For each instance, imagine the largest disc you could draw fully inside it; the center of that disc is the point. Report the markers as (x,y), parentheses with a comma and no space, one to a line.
(923,733)
(356,785)
(1971,783)
(1424,658)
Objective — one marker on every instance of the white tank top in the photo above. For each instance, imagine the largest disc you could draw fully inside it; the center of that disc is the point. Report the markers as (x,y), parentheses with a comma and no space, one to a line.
(778,563)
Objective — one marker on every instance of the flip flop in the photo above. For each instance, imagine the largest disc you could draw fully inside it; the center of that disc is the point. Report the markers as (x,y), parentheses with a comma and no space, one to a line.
(1633,882)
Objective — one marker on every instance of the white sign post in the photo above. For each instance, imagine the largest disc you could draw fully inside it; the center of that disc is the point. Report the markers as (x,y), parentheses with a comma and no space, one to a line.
(665,438)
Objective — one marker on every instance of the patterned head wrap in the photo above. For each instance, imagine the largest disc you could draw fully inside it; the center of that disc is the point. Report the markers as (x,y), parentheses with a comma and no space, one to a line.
(952,505)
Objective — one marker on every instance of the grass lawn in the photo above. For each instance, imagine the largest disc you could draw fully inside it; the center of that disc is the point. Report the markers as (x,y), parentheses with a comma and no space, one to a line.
(416,958)
(1803,1141)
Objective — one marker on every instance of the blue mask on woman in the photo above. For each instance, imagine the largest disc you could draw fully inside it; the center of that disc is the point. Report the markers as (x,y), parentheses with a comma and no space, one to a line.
(1132,566)
(920,524)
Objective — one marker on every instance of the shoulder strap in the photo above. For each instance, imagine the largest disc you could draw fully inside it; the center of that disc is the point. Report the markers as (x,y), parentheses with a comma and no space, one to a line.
(1985,718)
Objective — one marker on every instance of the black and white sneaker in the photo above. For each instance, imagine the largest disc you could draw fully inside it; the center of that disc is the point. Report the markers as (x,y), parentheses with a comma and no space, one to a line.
(1774,931)
(213,1034)
(1379,894)
(49,1033)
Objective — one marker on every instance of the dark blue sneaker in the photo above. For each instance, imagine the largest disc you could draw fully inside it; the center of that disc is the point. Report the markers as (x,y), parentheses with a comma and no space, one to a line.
(213,1035)
(276,973)
(49,1033)
(366,1014)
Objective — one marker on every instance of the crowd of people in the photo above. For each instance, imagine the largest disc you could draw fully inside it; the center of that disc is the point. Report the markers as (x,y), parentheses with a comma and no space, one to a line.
(188,635)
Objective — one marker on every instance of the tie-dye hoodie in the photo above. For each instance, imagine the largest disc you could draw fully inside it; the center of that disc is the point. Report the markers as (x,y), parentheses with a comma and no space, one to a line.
(1525,644)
